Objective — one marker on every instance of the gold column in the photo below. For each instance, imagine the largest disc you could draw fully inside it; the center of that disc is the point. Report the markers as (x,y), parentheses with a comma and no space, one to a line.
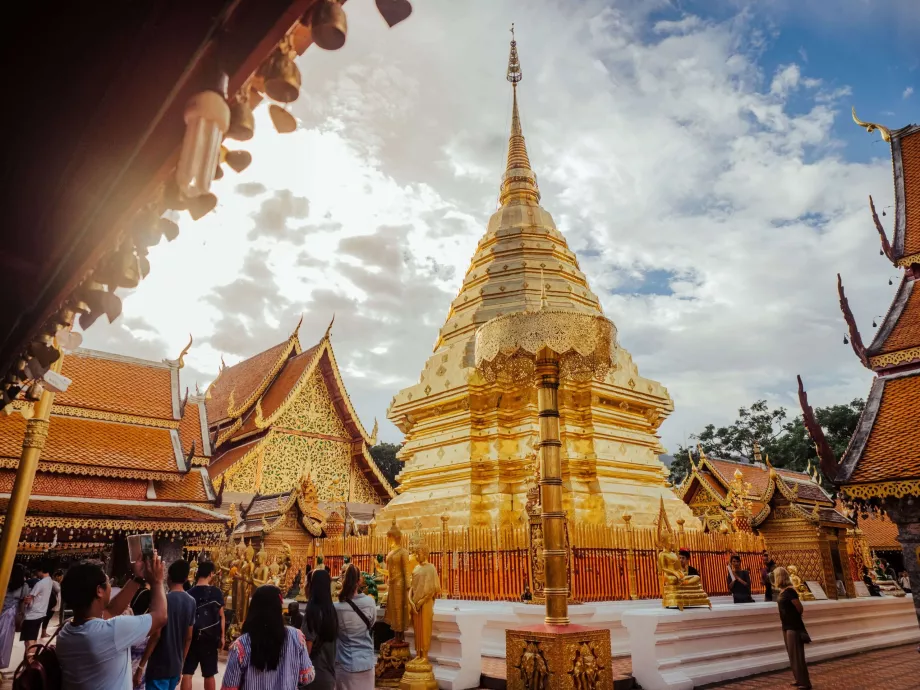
(32,444)
(555,555)
(631,568)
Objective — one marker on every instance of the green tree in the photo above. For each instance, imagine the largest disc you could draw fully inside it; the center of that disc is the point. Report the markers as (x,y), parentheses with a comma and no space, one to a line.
(786,442)
(384,455)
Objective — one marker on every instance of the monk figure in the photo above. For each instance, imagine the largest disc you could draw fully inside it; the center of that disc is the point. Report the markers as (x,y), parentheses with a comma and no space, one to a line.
(426,587)
(398,575)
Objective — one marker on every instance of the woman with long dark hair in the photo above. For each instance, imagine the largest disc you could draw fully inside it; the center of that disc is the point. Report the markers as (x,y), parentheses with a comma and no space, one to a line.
(321,628)
(16,591)
(354,654)
(794,633)
(268,655)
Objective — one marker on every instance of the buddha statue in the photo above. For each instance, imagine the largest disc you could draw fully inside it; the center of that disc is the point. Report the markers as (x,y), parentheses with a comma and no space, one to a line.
(261,573)
(274,571)
(424,589)
(379,572)
(398,577)
(678,589)
(800,587)
(244,580)
(193,570)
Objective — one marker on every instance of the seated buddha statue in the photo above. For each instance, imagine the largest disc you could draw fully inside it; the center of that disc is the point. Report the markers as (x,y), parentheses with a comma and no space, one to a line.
(678,588)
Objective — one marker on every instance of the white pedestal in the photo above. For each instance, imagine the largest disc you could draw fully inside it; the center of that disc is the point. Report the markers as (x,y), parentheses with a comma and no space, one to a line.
(466,631)
(674,650)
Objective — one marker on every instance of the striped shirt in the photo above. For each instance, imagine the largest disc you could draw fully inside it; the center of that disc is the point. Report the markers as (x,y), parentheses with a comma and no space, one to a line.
(294,667)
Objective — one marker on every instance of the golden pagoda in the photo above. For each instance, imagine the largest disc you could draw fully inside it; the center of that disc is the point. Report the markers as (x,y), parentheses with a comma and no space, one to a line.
(471,444)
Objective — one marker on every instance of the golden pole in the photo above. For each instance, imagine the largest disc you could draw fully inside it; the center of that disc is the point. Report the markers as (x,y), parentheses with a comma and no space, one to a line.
(32,444)
(555,556)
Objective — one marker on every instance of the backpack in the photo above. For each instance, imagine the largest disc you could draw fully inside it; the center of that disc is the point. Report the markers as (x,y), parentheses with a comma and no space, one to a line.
(207,615)
(43,672)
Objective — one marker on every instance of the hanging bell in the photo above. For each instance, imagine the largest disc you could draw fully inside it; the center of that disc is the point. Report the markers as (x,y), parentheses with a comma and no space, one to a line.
(238,160)
(282,78)
(846,341)
(34,392)
(45,351)
(329,25)
(98,302)
(394,11)
(284,122)
(219,173)
(242,121)
(201,205)
(169,228)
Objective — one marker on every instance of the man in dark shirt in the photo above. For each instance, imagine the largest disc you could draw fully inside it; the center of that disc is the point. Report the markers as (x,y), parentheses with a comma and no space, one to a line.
(766,572)
(166,648)
(739,582)
(684,556)
(210,628)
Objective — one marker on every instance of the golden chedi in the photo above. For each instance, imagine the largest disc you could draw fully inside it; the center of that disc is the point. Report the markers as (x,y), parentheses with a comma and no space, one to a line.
(470,444)
(678,589)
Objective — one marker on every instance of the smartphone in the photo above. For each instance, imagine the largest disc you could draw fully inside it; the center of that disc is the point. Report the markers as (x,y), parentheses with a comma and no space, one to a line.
(140,546)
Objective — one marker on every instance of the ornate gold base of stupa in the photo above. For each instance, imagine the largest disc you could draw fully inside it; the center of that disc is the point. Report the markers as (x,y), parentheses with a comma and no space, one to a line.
(419,675)
(682,597)
(391,664)
(561,657)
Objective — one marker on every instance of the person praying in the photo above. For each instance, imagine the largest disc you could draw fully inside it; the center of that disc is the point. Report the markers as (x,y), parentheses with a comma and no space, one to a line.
(739,581)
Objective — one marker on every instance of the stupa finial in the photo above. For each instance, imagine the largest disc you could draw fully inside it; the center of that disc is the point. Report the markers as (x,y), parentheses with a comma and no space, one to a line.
(519,183)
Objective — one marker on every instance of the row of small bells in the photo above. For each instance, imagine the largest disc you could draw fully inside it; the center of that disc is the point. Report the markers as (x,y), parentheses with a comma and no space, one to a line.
(128,264)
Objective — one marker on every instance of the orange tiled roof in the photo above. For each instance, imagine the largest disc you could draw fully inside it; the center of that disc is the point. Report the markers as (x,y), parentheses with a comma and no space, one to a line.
(892,450)
(279,389)
(104,382)
(99,447)
(139,510)
(190,488)
(242,380)
(905,332)
(223,460)
(881,532)
(758,477)
(910,161)
(190,428)
(50,484)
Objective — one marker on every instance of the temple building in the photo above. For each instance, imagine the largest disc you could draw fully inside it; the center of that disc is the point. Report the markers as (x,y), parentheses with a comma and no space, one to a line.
(880,470)
(470,446)
(797,518)
(123,455)
(283,415)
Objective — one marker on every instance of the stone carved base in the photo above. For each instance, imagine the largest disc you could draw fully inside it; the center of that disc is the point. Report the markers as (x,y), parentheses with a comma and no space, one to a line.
(558,657)
(419,675)
(391,663)
(675,597)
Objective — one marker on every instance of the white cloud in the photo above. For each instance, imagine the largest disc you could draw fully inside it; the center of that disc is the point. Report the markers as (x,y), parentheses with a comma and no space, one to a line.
(663,150)
(907,93)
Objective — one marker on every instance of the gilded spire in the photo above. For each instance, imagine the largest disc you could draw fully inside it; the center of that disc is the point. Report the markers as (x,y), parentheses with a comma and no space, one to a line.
(519,183)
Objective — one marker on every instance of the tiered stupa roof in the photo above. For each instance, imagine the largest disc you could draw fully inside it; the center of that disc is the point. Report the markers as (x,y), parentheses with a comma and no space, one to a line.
(883,457)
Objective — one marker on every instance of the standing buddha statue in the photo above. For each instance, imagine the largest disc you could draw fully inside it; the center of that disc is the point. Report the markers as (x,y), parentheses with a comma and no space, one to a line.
(244,578)
(391,663)
(261,573)
(425,588)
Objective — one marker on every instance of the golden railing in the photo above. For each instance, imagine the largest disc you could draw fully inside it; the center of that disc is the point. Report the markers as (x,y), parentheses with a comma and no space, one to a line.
(608,562)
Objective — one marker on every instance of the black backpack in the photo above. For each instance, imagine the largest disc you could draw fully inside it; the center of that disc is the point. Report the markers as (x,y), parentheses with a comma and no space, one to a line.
(207,614)
(43,672)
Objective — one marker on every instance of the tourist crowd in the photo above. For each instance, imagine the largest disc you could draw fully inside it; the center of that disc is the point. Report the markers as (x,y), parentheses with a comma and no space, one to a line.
(155,631)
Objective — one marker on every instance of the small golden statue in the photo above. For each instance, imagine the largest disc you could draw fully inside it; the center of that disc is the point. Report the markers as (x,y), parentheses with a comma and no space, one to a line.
(391,662)
(193,570)
(678,589)
(244,585)
(426,587)
(800,587)
(379,572)
(261,573)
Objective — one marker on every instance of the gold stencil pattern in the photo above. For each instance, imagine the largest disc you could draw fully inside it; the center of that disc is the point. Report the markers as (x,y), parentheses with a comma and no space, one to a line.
(313,410)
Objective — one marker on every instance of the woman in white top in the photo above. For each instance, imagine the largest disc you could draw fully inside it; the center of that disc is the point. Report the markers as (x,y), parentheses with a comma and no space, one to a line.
(354,649)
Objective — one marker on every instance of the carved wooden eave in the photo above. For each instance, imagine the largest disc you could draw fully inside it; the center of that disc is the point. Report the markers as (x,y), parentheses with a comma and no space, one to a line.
(855,339)
(883,356)
(292,347)
(886,245)
(828,461)
(703,482)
